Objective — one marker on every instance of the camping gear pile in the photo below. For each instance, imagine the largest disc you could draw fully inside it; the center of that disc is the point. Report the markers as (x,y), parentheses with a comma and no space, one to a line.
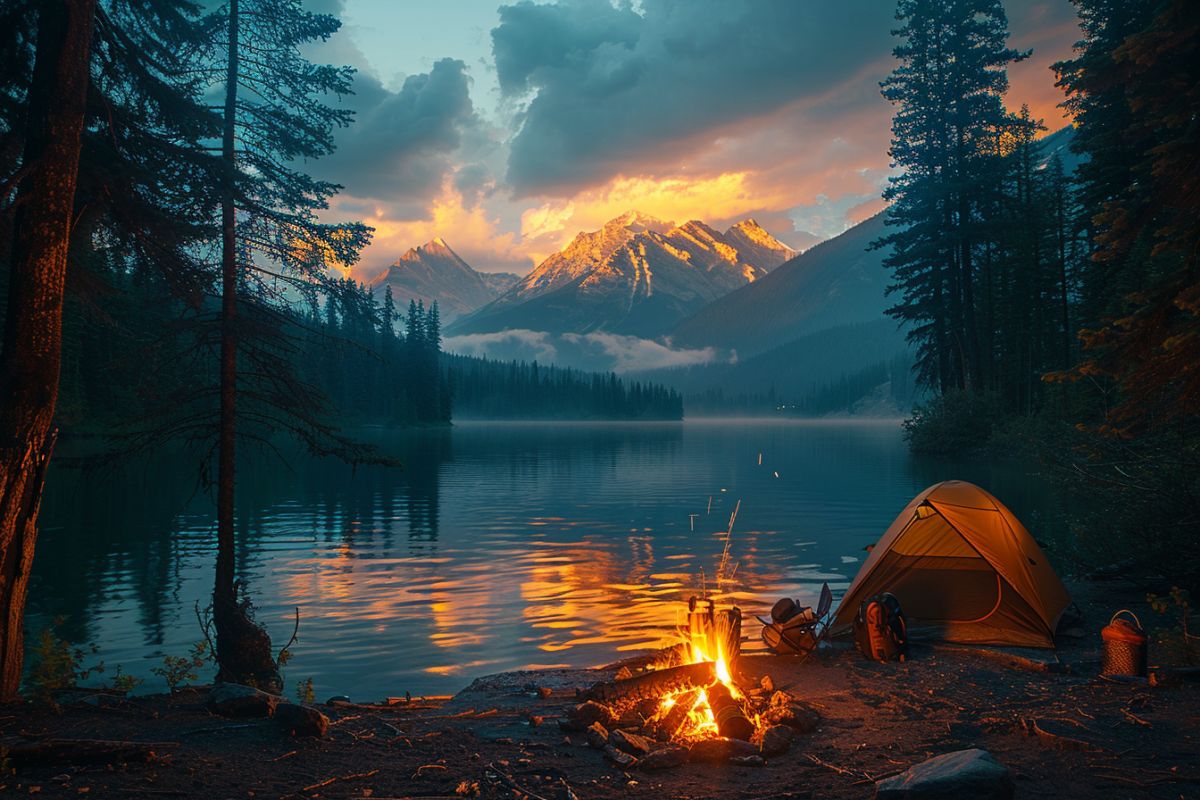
(1124,646)
(794,629)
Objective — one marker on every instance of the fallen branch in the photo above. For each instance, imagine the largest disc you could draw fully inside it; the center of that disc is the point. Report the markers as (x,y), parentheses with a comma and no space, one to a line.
(339,778)
(76,751)
(511,783)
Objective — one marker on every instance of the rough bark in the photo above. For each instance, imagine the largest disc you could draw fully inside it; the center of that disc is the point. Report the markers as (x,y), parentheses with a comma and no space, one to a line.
(243,647)
(32,348)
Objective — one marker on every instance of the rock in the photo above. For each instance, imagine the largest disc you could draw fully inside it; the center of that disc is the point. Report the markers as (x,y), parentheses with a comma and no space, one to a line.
(800,717)
(776,740)
(964,773)
(235,700)
(301,720)
(748,761)
(630,742)
(597,736)
(664,758)
(338,699)
(580,717)
(767,684)
(544,691)
(710,750)
(619,757)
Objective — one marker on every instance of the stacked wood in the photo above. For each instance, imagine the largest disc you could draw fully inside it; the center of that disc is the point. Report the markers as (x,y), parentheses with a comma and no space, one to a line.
(653,685)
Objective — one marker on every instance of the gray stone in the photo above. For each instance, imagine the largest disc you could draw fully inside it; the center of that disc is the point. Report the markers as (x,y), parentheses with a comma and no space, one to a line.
(709,750)
(580,717)
(301,720)
(776,740)
(236,700)
(597,736)
(630,742)
(800,717)
(964,773)
(619,757)
(664,758)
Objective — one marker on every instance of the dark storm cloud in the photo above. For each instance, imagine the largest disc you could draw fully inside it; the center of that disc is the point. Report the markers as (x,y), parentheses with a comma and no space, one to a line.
(401,143)
(610,86)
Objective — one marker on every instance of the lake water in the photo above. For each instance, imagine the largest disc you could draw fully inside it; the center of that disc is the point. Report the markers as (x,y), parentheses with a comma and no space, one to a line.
(498,546)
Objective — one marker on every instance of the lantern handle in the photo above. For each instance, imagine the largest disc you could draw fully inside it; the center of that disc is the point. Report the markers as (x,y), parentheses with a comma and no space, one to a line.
(1130,613)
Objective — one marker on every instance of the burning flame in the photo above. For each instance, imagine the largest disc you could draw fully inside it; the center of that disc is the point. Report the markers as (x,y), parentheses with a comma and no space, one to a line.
(699,720)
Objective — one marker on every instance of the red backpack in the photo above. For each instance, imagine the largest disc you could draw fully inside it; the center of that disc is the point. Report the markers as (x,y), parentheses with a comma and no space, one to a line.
(880,630)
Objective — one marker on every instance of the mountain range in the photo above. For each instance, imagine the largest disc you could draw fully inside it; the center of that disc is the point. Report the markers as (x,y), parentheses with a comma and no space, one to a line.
(636,276)
(434,271)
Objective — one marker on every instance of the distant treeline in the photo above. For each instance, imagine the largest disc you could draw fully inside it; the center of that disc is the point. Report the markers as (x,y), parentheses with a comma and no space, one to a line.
(132,358)
(891,381)
(486,389)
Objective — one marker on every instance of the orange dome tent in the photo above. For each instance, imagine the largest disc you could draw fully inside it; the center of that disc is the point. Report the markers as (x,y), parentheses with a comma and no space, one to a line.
(965,570)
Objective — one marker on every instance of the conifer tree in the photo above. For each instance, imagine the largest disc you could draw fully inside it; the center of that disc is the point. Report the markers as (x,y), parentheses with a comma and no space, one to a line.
(275,113)
(948,94)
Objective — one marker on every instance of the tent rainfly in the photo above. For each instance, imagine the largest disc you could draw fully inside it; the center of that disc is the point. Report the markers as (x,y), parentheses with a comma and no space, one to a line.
(964,570)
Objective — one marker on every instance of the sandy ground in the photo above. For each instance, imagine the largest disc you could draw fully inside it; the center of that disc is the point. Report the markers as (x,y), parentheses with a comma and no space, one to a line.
(1109,739)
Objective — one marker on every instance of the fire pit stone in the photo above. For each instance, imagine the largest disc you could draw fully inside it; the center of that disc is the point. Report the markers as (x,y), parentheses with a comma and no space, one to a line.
(630,742)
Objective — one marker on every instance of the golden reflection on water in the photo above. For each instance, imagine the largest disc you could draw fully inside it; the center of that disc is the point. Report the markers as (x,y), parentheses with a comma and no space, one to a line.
(612,595)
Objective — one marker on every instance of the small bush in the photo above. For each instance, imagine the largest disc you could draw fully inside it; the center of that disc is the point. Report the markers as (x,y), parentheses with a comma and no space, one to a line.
(1178,643)
(178,671)
(55,664)
(954,422)
(305,692)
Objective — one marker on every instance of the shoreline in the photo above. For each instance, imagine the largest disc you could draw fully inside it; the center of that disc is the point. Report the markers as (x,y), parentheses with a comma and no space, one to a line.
(1060,729)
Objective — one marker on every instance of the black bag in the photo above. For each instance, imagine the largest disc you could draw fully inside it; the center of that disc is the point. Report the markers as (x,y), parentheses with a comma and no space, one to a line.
(880,630)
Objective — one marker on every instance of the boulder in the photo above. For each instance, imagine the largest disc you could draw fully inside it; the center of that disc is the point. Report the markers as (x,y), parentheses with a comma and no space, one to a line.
(301,720)
(963,773)
(664,758)
(236,700)
(776,740)
(597,736)
(630,742)
(719,749)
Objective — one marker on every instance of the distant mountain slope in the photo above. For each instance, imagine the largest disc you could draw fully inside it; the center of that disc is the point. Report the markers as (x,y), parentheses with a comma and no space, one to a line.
(795,367)
(637,275)
(499,282)
(837,282)
(433,271)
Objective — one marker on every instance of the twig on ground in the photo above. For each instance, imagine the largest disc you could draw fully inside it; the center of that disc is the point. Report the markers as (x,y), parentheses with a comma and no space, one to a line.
(339,778)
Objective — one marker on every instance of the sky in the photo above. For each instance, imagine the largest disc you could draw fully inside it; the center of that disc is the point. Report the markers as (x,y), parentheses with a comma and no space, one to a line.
(509,127)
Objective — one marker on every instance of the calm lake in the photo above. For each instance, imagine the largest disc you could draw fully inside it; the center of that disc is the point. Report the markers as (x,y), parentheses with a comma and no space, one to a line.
(498,546)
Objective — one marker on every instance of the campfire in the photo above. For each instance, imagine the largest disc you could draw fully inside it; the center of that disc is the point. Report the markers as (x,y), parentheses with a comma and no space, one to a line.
(690,705)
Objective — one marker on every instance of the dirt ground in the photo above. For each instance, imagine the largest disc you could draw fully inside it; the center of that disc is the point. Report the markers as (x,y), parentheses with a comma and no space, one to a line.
(499,738)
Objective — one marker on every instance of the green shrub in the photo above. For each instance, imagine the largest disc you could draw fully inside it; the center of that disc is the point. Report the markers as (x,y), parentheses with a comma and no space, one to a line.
(178,671)
(954,422)
(55,664)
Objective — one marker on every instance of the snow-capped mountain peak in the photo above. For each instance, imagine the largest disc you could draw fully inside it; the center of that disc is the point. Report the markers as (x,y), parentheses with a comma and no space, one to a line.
(635,274)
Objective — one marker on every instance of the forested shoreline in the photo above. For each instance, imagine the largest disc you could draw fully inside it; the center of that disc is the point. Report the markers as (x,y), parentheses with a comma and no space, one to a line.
(1054,313)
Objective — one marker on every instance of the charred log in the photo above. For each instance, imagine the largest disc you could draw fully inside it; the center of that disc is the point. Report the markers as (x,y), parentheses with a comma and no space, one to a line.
(654,684)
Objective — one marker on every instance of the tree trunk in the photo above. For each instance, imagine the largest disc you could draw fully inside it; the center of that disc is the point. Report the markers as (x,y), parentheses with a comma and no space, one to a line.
(32,349)
(243,647)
